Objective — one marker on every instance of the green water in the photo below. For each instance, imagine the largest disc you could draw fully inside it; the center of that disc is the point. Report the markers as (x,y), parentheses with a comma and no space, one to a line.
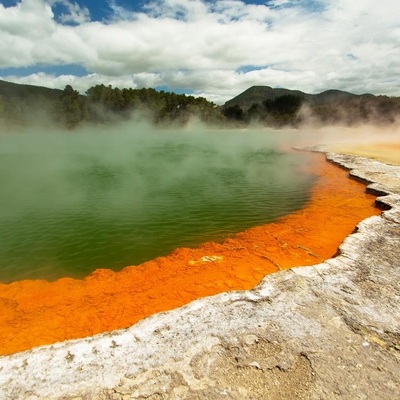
(74,202)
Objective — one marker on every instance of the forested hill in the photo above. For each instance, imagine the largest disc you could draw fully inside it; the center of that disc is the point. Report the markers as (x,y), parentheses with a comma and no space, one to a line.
(9,90)
(27,105)
(281,107)
(259,94)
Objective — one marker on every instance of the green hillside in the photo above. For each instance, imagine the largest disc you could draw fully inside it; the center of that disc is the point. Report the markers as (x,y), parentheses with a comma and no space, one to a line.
(258,94)
(284,107)
(10,90)
(28,105)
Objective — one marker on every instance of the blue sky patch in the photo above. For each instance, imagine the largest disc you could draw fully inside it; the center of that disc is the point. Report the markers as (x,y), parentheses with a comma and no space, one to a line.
(247,68)
(310,5)
(166,88)
(72,69)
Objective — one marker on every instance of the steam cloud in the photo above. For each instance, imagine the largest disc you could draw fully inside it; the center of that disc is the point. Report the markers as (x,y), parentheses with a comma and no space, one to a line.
(69,196)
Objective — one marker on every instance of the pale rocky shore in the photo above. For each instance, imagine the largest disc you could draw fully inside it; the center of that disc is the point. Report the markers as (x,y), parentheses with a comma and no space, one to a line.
(328,331)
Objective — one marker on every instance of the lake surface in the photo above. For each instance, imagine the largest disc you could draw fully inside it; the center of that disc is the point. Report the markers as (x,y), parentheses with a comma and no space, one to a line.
(73,202)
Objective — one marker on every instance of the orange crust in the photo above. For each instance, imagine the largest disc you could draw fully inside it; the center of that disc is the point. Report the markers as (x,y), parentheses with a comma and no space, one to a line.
(36,312)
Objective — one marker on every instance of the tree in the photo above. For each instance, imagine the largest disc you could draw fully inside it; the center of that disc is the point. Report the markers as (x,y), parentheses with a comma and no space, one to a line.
(234,113)
(283,109)
(72,107)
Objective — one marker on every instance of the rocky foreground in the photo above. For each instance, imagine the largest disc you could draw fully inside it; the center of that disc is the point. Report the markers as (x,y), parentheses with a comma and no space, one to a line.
(326,331)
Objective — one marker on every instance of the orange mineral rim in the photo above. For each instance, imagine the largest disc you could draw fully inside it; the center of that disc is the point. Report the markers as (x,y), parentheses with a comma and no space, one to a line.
(37,312)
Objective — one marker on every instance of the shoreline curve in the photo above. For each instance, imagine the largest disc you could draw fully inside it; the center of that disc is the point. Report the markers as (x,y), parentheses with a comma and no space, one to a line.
(35,313)
(325,331)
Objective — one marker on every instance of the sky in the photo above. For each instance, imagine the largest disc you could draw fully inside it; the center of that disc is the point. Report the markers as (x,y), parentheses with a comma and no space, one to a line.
(215,49)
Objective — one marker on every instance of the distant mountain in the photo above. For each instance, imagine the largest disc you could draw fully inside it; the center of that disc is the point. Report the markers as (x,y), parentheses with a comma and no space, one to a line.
(283,107)
(334,96)
(259,94)
(27,104)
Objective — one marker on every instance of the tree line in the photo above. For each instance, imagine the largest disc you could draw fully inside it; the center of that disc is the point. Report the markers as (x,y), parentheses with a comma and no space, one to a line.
(295,111)
(23,104)
(104,104)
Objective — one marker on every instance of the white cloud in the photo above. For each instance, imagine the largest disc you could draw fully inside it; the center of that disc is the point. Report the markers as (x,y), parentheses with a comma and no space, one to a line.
(202,45)
(75,13)
(216,85)
(29,19)
(79,83)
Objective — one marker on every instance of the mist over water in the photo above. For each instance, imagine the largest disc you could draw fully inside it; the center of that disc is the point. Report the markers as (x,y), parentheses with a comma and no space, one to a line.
(74,202)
